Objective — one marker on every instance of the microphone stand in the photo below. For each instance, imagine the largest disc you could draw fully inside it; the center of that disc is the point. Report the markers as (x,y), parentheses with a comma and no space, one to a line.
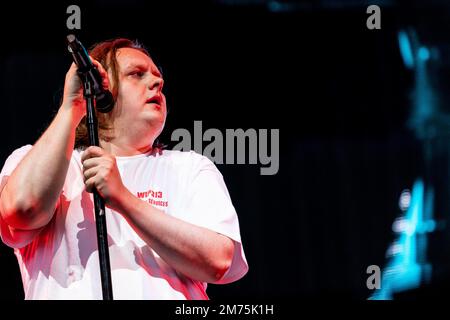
(99,203)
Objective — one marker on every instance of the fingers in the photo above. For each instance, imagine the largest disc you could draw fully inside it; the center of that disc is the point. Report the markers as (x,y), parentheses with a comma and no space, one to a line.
(91,168)
(73,67)
(72,71)
(95,159)
(103,73)
(92,152)
(90,184)
(89,173)
(93,176)
(97,166)
(91,157)
(97,64)
(73,91)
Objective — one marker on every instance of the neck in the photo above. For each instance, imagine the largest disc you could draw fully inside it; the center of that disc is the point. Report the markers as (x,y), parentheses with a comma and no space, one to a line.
(119,149)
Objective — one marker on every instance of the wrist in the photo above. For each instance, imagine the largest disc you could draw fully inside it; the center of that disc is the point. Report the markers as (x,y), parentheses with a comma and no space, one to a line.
(123,201)
(71,112)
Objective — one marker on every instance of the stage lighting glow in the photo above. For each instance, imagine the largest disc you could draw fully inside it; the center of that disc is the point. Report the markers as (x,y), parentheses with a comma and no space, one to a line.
(406,49)
(401,225)
(405,200)
(424,53)
(405,268)
(394,249)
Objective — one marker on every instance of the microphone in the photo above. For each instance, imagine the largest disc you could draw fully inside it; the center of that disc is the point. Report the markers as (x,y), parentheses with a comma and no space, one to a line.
(104,98)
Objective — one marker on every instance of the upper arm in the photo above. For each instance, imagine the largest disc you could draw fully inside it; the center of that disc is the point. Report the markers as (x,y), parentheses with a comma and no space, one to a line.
(10,236)
(209,205)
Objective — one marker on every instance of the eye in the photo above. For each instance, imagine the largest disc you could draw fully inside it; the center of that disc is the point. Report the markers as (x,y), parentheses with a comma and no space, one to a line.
(137,74)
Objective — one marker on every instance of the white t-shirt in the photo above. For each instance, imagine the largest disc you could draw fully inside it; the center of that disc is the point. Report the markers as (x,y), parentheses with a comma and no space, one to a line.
(62,261)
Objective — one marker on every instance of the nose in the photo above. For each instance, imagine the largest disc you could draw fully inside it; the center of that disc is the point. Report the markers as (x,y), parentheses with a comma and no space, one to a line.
(156,82)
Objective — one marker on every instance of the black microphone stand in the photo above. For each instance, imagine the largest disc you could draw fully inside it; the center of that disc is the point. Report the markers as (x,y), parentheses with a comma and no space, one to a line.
(99,203)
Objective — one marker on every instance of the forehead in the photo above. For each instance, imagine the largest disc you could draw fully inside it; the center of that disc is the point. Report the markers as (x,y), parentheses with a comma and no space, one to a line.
(129,57)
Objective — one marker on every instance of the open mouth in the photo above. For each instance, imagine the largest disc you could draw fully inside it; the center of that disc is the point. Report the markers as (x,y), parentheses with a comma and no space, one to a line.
(155,99)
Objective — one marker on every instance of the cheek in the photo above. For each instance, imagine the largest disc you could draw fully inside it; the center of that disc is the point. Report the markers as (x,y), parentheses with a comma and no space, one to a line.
(130,93)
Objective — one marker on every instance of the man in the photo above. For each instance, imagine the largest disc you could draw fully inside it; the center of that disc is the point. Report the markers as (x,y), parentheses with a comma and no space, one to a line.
(171,225)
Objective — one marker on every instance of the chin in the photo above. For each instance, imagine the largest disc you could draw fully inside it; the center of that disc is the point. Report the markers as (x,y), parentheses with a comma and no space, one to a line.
(156,124)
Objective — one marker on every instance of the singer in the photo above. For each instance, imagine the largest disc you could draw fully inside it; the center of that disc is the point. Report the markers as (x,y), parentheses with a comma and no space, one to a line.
(172,228)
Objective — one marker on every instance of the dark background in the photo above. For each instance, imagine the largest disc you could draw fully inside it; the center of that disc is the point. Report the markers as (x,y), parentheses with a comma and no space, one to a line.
(339,93)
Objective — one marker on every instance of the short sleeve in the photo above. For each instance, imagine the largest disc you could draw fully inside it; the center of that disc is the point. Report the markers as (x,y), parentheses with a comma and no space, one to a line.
(8,167)
(13,160)
(209,205)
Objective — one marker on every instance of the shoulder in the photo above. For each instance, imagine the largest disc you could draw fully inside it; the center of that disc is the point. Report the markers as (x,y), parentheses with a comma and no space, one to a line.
(19,153)
(13,159)
(187,158)
(22,150)
(189,161)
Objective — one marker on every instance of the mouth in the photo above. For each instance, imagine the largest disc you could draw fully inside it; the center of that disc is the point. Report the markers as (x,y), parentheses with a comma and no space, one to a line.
(154,100)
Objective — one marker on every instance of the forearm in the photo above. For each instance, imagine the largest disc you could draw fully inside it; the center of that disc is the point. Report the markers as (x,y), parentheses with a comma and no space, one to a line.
(196,252)
(30,195)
